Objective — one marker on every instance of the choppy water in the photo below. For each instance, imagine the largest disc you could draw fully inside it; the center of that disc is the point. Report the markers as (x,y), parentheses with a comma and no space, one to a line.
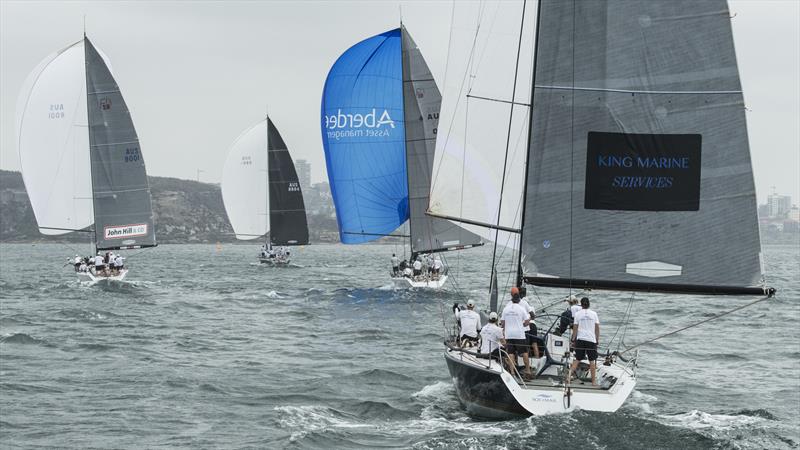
(205,349)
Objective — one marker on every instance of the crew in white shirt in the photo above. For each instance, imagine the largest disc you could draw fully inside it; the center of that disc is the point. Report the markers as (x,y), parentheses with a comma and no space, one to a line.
(585,337)
(492,337)
(395,264)
(437,266)
(417,267)
(99,264)
(470,324)
(119,262)
(515,320)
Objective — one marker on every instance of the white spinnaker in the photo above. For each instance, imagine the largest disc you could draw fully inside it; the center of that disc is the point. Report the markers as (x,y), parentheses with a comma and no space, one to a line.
(475,115)
(53,142)
(244,184)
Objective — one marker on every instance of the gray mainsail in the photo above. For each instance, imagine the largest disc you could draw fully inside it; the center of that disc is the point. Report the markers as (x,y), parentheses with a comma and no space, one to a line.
(422,101)
(639,173)
(123,215)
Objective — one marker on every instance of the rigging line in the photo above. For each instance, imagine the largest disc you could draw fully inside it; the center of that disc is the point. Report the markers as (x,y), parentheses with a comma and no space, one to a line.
(466,76)
(627,323)
(633,91)
(623,323)
(508,102)
(508,134)
(572,152)
(708,319)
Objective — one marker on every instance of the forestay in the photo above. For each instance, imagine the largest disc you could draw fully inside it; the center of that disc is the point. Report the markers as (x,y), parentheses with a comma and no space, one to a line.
(363,134)
(244,184)
(640,173)
(287,212)
(468,171)
(53,142)
(421,109)
(122,210)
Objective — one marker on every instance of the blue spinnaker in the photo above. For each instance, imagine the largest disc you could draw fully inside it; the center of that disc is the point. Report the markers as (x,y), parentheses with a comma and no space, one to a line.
(363,133)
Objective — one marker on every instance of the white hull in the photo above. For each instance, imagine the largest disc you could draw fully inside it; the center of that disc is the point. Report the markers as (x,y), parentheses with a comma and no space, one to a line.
(92,278)
(405,282)
(487,389)
(275,262)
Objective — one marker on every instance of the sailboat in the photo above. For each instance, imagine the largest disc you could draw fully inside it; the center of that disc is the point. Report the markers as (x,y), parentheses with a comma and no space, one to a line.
(380,113)
(637,175)
(81,160)
(262,193)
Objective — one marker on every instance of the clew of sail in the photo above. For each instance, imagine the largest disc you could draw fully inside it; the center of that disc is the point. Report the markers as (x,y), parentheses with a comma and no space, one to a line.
(639,173)
(244,185)
(477,155)
(123,212)
(287,212)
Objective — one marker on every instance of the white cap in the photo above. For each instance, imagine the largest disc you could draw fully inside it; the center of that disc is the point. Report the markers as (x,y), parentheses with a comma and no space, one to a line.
(492,315)
(471,303)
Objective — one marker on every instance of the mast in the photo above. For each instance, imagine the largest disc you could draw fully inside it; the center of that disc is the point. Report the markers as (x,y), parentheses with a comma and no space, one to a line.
(266,181)
(520,280)
(405,144)
(88,115)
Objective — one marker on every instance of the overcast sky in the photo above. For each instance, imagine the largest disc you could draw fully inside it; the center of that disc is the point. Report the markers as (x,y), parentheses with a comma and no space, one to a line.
(195,74)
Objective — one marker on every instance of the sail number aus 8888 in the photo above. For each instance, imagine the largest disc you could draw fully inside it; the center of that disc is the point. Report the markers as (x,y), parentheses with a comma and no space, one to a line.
(132,154)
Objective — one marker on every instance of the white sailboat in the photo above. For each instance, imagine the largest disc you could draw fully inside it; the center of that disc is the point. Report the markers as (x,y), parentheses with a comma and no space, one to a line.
(262,193)
(380,114)
(635,174)
(81,160)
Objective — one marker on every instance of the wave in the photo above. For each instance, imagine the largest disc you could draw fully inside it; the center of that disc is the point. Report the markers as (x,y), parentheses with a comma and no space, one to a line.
(382,375)
(22,339)
(698,420)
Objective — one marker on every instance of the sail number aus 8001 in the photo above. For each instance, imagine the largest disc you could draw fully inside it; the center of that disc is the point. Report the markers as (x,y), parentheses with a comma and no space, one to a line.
(132,154)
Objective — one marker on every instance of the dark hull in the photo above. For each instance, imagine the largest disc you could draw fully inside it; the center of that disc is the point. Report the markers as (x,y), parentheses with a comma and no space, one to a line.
(482,392)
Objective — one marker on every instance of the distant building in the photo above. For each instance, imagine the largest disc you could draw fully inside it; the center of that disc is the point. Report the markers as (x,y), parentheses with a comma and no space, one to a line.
(303,173)
(779,205)
(794,214)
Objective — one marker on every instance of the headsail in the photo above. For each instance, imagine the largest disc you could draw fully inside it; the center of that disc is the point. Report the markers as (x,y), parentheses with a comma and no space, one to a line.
(422,102)
(364,139)
(639,172)
(244,184)
(471,157)
(287,215)
(53,143)
(123,213)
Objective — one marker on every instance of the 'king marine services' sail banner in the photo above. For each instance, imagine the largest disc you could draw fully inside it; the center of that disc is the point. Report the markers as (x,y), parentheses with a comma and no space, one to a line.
(363,134)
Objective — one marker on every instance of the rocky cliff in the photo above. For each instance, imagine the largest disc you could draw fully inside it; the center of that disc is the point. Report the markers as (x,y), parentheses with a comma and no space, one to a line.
(185,212)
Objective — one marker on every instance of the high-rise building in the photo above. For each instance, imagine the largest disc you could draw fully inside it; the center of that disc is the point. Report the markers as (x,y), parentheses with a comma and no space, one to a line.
(779,205)
(303,173)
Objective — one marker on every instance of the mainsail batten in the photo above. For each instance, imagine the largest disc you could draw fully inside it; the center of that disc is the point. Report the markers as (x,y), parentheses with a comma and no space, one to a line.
(616,95)
(123,214)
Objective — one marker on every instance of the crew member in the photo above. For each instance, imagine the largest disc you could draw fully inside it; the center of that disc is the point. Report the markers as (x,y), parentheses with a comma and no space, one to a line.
(470,324)
(585,337)
(514,320)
